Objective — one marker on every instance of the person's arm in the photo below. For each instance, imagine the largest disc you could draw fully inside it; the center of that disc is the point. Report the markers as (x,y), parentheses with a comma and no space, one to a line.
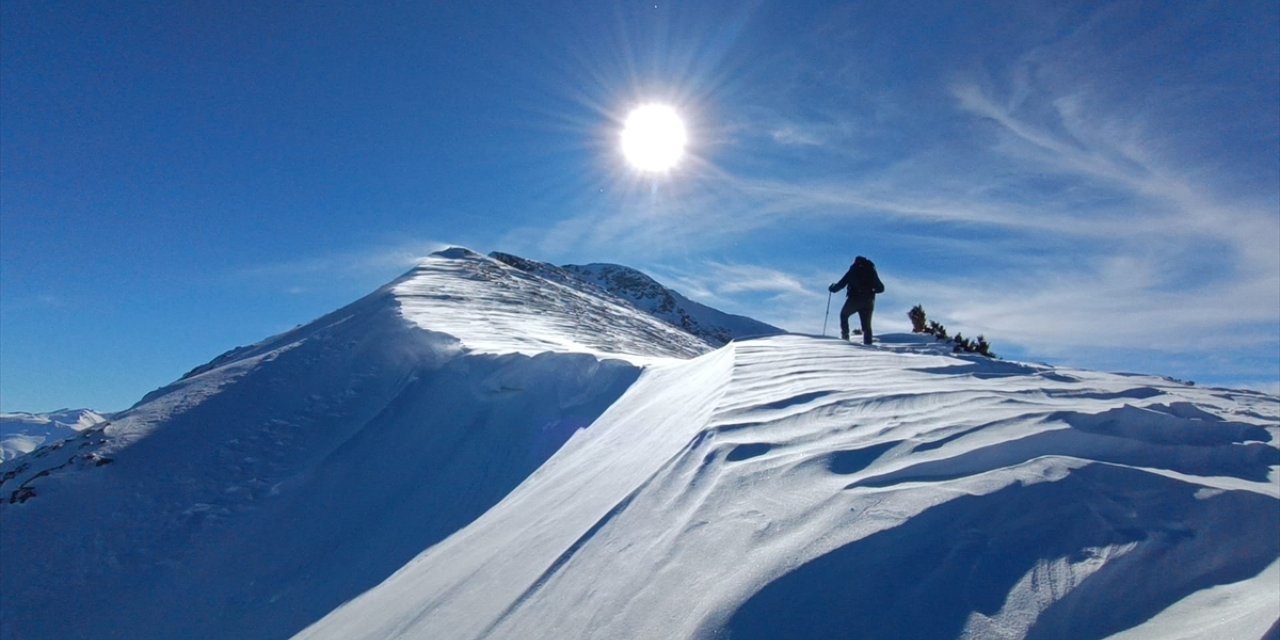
(848,275)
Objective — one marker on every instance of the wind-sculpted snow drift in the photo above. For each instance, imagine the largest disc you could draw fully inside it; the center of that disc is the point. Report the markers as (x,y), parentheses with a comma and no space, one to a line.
(644,293)
(477,451)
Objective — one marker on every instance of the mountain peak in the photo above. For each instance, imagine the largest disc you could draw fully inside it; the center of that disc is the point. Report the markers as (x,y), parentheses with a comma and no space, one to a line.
(637,289)
(645,293)
(457,253)
(493,307)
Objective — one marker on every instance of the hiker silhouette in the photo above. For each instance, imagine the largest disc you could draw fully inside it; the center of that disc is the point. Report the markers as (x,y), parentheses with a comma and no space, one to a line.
(863,283)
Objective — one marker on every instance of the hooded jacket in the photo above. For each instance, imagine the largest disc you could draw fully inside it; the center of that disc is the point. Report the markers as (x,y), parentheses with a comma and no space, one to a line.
(862,280)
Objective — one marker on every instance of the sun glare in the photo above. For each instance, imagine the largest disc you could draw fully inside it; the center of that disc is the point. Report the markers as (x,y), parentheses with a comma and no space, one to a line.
(653,138)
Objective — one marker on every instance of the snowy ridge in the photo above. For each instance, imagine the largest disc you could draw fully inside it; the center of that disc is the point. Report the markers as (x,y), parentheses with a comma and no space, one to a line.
(816,489)
(444,389)
(22,433)
(520,312)
(646,294)
(482,451)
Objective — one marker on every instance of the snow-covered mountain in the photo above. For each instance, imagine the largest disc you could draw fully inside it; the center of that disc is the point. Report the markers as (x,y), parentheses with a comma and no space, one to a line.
(482,451)
(22,433)
(646,294)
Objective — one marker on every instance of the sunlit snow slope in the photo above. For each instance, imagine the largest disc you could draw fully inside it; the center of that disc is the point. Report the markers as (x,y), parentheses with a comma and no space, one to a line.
(514,311)
(796,487)
(481,451)
(267,487)
(646,294)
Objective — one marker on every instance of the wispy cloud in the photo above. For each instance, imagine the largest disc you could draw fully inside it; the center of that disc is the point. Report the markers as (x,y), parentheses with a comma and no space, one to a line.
(791,134)
(790,300)
(722,280)
(43,302)
(1127,234)
(303,275)
(1071,194)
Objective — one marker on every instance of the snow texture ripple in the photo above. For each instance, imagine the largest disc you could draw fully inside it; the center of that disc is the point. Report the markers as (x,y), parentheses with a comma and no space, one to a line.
(801,487)
(482,450)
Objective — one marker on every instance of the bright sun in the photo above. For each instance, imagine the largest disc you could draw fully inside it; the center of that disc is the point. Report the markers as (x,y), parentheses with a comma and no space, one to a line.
(653,138)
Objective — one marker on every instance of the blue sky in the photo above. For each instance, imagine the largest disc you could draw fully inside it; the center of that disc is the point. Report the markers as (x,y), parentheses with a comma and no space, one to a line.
(1092,184)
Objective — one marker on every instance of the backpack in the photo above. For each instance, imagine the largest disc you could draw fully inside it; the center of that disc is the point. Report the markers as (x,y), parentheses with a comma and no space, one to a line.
(865,278)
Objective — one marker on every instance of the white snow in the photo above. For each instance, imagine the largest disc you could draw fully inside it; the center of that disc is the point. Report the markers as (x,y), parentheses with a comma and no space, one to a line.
(669,515)
(22,433)
(475,451)
(651,297)
(1244,609)
(512,311)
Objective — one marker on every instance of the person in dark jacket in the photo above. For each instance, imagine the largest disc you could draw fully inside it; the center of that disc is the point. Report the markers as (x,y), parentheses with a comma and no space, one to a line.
(863,284)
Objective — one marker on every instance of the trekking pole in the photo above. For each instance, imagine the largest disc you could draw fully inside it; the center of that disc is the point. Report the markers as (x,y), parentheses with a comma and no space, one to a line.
(827,316)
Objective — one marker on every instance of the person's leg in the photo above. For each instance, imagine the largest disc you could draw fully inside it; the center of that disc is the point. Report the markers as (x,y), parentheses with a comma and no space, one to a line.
(846,311)
(864,317)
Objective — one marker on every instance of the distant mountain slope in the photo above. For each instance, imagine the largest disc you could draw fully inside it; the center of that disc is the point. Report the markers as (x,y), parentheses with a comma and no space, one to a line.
(22,433)
(713,325)
(646,294)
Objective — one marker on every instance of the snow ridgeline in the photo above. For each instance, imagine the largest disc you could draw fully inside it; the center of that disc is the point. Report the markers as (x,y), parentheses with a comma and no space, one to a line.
(219,505)
(715,327)
(424,457)
(801,487)
(22,433)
